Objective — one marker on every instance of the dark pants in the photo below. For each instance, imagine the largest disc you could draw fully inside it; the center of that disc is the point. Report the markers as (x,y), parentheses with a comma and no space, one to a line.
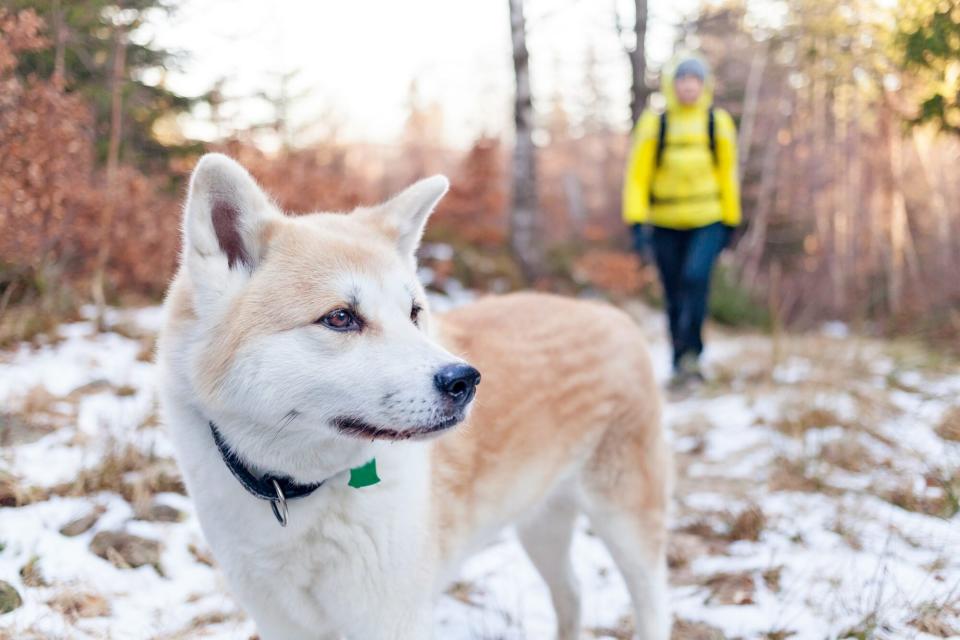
(685,260)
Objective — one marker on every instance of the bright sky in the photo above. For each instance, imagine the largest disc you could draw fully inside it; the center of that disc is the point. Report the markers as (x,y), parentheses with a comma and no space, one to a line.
(356,58)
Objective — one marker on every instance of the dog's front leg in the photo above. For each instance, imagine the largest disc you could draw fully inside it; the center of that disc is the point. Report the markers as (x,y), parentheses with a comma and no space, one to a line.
(418,630)
(416,624)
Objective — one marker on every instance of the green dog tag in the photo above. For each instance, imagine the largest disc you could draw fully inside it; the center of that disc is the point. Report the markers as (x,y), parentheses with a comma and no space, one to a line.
(364,475)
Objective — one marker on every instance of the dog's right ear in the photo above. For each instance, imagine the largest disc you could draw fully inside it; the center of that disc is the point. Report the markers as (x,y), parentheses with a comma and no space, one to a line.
(224,224)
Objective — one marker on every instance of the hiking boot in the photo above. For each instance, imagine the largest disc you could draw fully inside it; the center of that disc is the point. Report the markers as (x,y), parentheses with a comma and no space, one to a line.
(686,372)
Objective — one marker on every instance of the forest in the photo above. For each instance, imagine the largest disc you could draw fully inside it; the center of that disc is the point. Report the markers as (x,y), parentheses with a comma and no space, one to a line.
(848,123)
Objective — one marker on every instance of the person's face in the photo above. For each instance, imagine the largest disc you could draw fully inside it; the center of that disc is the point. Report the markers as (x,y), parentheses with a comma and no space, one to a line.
(688,88)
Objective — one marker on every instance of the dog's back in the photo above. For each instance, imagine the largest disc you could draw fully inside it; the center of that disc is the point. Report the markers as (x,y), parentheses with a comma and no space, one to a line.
(567,421)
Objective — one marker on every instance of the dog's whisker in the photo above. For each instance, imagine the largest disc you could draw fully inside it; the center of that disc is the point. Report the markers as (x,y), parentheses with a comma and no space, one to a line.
(282,424)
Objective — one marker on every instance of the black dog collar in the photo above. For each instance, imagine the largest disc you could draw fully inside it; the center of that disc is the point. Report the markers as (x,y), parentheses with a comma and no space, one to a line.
(275,489)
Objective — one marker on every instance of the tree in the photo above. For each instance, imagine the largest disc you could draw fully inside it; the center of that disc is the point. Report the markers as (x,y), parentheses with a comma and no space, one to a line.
(82,60)
(66,221)
(849,215)
(636,52)
(929,39)
(524,231)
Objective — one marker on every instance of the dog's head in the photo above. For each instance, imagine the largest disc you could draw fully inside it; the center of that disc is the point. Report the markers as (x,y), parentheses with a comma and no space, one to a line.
(313,327)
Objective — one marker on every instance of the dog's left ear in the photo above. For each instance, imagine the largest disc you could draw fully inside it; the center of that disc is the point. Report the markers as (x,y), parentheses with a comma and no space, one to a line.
(404,216)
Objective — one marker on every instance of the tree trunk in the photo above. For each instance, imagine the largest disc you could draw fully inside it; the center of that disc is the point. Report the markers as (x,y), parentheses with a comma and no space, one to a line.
(923,142)
(898,228)
(902,254)
(113,161)
(753,244)
(578,212)
(638,61)
(750,99)
(60,36)
(524,232)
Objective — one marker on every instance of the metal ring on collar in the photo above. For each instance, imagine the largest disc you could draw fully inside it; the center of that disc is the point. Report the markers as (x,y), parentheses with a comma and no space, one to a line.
(280,512)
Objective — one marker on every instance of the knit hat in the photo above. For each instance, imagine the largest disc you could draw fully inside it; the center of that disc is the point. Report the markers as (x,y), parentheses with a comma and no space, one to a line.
(691,67)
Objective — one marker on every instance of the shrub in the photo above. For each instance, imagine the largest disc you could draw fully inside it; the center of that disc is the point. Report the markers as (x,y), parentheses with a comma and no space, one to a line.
(733,305)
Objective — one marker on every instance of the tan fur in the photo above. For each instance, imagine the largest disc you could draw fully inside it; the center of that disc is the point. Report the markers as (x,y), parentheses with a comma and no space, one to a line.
(565,384)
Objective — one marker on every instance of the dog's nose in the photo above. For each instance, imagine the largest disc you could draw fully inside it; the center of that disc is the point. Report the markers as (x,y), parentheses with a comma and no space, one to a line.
(458,382)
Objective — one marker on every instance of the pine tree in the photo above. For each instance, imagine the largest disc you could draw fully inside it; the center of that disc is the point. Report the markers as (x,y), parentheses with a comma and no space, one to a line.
(929,39)
(83,34)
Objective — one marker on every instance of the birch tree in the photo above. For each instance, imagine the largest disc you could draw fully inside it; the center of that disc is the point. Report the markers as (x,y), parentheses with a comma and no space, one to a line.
(636,53)
(524,213)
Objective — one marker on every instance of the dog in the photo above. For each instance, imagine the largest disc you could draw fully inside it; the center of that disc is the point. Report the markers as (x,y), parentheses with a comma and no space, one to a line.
(342,452)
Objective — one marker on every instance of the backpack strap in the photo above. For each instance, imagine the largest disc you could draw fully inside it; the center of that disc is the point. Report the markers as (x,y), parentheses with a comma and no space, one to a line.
(712,133)
(662,137)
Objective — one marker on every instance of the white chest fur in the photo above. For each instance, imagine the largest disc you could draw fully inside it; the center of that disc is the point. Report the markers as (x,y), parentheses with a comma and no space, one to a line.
(354,561)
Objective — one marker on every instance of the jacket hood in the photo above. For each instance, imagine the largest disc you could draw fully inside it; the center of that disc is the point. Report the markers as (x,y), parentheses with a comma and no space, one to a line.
(670,94)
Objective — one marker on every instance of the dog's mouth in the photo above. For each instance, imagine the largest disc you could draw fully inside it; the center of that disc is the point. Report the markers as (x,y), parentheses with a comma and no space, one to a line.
(359,428)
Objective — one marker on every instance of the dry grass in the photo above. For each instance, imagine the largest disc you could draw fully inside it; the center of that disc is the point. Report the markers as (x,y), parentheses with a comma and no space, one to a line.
(94,386)
(37,400)
(201,555)
(31,575)
(34,416)
(865,629)
(25,322)
(730,588)
(851,537)
(944,502)
(906,498)
(14,494)
(148,348)
(74,604)
(932,618)
(796,475)
(209,619)
(128,471)
(778,634)
(126,551)
(688,630)
(108,475)
(195,628)
(25,634)
(849,454)
(683,547)
(21,428)
(710,534)
(771,577)
(82,524)
(753,370)
(747,524)
(159,513)
(797,420)
(949,427)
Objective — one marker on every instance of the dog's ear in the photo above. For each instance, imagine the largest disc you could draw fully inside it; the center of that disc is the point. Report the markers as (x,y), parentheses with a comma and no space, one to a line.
(404,216)
(224,222)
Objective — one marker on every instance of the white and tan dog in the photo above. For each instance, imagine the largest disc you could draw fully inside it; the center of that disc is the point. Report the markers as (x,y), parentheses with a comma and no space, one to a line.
(297,350)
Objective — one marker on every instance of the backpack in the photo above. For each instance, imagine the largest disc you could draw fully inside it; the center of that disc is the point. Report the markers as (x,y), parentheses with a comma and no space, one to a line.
(711,135)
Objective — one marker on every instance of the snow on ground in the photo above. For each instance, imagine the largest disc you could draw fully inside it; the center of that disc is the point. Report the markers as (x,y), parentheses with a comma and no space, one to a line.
(817,497)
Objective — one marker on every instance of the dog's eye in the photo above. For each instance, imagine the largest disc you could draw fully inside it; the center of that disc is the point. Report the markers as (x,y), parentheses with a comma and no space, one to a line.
(341,320)
(415,313)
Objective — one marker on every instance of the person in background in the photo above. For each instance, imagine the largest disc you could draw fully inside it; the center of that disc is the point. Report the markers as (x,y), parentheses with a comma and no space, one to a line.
(681,198)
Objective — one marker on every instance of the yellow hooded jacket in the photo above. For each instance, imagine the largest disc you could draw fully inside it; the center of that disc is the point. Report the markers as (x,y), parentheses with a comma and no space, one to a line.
(688,189)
